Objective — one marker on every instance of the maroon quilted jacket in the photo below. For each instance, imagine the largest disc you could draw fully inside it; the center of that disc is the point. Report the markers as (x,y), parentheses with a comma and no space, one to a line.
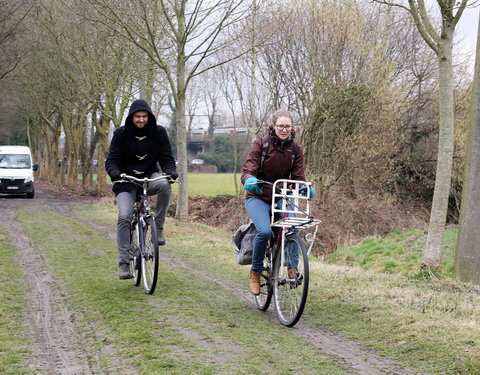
(277,164)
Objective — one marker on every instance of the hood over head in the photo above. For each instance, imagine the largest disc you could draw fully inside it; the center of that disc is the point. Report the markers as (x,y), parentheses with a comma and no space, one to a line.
(140,105)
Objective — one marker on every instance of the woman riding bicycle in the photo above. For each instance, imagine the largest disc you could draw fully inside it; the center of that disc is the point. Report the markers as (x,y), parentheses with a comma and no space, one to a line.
(272,157)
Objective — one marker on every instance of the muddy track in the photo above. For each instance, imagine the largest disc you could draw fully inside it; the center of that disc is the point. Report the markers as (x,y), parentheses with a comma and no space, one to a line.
(57,348)
(60,350)
(349,353)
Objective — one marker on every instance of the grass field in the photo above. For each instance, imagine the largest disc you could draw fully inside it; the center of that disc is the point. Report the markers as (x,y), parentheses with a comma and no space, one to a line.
(211,184)
(208,184)
(369,293)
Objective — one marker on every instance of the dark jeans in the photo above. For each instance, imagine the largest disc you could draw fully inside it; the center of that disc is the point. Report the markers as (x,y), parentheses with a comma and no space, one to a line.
(125,202)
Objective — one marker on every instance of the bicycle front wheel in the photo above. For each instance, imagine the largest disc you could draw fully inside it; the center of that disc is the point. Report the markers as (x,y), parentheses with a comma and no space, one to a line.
(290,280)
(135,263)
(149,256)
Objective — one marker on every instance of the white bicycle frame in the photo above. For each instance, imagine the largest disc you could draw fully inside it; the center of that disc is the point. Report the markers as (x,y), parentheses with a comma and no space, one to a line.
(294,209)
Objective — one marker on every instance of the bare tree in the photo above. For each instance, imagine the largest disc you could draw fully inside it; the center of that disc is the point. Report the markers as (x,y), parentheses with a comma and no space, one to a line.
(179,37)
(76,84)
(12,16)
(331,65)
(467,257)
(440,40)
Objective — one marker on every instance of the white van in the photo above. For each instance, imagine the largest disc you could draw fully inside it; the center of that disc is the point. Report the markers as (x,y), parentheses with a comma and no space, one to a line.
(16,171)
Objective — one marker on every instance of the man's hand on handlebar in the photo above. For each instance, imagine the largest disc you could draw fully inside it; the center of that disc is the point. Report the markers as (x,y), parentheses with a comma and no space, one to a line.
(173,176)
(115,176)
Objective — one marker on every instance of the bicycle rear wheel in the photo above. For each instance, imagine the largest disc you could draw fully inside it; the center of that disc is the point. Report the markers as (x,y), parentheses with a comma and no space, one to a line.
(135,262)
(149,256)
(290,281)
(266,291)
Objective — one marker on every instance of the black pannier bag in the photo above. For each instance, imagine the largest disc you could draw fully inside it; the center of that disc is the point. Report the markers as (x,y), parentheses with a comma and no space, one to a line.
(242,242)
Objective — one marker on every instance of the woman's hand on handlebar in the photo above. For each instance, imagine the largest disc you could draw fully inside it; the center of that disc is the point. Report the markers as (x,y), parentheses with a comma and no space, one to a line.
(303,191)
(251,185)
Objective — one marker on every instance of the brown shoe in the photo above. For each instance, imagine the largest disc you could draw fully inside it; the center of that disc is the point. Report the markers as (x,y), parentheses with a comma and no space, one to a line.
(292,272)
(254,283)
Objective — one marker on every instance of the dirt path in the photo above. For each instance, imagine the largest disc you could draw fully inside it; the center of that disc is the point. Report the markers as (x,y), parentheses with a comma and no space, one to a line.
(56,346)
(349,353)
(59,349)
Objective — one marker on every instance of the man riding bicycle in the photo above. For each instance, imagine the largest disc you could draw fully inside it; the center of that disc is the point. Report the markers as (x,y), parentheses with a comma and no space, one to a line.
(139,148)
(272,157)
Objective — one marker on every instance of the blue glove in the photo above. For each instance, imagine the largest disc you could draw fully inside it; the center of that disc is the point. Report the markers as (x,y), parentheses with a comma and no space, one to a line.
(252,186)
(303,191)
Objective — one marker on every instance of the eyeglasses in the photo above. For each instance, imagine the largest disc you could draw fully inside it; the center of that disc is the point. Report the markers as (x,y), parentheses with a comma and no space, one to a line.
(284,127)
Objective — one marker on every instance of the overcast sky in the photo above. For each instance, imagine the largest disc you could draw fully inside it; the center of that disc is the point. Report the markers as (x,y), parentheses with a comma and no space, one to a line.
(466,33)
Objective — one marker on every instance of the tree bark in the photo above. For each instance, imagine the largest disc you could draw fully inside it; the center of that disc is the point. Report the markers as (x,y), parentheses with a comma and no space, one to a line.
(467,257)
(179,96)
(438,214)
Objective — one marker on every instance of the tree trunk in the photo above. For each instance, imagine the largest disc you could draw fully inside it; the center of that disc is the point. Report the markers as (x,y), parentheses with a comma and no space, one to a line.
(467,257)
(182,199)
(101,173)
(102,129)
(438,214)
(179,96)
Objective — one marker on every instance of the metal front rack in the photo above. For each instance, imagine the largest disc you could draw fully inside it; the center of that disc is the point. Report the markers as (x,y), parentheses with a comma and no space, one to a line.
(292,206)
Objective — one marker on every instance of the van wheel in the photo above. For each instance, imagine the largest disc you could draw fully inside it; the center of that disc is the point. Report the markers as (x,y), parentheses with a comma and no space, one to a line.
(31,195)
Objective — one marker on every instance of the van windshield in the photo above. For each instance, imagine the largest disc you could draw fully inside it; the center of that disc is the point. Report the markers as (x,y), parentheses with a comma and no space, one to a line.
(15,161)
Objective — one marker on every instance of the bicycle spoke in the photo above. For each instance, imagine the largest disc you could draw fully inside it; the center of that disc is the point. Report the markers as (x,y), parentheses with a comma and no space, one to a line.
(291,281)
(134,256)
(150,256)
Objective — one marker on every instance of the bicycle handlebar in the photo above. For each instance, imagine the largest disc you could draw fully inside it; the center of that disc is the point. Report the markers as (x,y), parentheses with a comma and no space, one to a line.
(270,183)
(260,182)
(145,179)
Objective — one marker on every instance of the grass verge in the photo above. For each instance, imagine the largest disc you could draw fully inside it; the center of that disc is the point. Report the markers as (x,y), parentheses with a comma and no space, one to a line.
(372,293)
(189,326)
(430,324)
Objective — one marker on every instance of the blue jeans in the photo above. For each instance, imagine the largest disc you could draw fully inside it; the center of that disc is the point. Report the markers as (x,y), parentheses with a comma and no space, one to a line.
(260,213)
(125,202)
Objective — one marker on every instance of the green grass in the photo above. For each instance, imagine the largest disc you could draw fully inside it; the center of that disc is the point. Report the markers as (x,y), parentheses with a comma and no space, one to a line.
(186,327)
(370,293)
(212,184)
(391,312)
(375,292)
(15,343)
(207,184)
(398,252)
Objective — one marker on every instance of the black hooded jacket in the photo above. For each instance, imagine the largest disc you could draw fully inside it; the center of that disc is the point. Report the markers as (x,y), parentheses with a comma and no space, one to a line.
(136,151)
